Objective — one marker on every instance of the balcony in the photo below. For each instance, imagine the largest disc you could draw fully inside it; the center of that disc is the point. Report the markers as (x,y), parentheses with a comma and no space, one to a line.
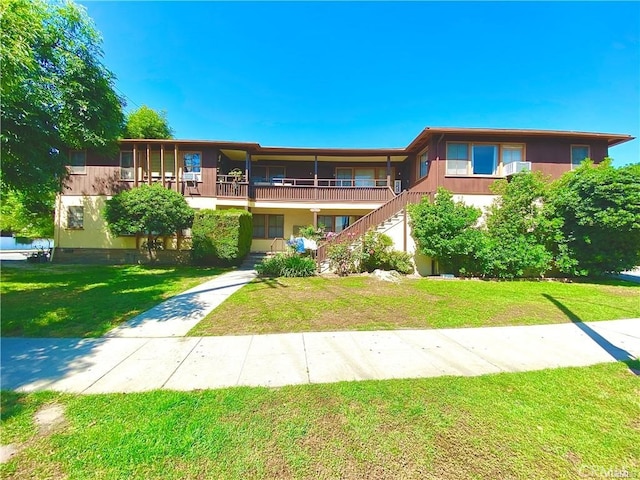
(512,168)
(305,189)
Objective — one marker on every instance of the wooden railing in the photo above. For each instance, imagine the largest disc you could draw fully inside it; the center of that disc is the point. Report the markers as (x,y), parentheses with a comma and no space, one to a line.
(354,231)
(232,189)
(323,194)
(305,189)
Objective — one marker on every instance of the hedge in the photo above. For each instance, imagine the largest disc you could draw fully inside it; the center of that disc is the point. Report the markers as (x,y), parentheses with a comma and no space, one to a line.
(221,237)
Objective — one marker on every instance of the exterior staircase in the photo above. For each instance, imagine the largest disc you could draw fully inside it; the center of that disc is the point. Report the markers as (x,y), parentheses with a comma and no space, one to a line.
(382,219)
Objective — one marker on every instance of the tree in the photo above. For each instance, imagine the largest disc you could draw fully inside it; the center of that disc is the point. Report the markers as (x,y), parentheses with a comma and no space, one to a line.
(27,216)
(150,210)
(514,247)
(56,93)
(595,215)
(147,123)
(445,231)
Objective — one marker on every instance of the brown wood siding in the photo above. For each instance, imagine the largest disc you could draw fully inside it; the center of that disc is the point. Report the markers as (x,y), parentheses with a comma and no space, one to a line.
(552,156)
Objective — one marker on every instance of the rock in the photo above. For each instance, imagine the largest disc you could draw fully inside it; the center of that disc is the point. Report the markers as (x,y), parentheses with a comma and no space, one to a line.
(387,276)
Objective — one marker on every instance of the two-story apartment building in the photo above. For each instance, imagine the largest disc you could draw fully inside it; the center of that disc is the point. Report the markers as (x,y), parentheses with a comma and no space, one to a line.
(288,187)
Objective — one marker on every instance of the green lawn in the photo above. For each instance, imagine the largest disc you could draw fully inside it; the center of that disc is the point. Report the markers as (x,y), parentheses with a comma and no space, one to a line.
(548,424)
(85,301)
(364,303)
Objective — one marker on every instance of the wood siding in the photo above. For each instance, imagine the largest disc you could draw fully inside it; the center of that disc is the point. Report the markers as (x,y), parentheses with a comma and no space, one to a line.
(551,156)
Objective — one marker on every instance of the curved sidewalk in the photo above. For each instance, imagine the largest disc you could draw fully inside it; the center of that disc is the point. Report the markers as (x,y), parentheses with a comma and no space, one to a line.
(117,364)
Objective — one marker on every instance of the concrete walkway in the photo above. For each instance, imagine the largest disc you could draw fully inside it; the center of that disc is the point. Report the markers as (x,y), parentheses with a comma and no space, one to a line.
(150,351)
(179,314)
(118,364)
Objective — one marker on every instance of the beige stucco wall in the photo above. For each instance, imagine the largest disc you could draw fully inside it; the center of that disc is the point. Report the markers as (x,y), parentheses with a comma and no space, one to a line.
(95,233)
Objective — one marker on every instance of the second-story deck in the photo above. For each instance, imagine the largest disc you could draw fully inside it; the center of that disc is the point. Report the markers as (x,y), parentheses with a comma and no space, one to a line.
(304,190)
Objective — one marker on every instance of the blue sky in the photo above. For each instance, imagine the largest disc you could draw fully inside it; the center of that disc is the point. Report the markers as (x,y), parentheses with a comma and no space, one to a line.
(362,74)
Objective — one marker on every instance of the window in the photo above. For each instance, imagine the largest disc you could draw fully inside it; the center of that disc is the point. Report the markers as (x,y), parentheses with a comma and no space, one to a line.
(75,217)
(192,165)
(511,153)
(362,177)
(335,223)
(484,159)
(126,166)
(259,226)
(270,174)
(268,226)
(423,161)
(578,154)
(78,161)
(457,158)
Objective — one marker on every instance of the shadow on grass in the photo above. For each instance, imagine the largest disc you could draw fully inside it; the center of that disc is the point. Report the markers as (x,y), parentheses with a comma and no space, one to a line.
(12,404)
(82,301)
(617,353)
(271,282)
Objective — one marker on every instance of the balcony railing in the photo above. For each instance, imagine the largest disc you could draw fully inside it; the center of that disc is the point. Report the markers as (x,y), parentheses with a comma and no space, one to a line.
(305,189)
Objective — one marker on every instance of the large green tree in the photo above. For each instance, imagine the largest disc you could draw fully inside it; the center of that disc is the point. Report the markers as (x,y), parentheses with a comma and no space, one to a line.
(147,123)
(150,210)
(56,93)
(514,247)
(445,230)
(595,212)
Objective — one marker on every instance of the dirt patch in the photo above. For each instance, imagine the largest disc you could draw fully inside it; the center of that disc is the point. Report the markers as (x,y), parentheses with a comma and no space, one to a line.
(49,419)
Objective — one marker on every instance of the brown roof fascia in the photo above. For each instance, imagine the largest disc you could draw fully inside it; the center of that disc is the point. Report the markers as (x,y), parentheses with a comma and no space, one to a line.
(423,138)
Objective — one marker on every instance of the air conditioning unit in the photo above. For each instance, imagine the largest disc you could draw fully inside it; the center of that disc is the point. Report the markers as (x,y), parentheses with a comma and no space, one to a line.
(191,177)
(512,168)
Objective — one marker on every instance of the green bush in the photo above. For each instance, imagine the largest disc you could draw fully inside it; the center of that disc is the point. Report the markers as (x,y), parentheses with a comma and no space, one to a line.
(343,257)
(287,265)
(401,262)
(221,237)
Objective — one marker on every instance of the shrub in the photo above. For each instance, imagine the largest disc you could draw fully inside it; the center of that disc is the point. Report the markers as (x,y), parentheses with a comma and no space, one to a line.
(375,251)
(221,237)
(287,265)
(344,258)
(401,262)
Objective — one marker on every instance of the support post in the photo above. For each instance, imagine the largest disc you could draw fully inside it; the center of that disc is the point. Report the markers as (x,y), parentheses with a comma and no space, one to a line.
(175,170)
(162,163)
(149,163)
(388,170)
(135,166)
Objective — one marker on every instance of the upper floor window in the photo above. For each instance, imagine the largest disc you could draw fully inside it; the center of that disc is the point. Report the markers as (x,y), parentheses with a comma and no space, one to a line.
(481,158)
(267,174)
(423,162)
(457,158)
(512,153)
(578,154)
(484,159)
(192,165)
(78,161)
(126,166)
(362,177)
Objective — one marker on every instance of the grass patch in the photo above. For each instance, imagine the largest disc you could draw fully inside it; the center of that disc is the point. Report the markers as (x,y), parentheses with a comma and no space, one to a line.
(364,303)
(548,424)
(85,301)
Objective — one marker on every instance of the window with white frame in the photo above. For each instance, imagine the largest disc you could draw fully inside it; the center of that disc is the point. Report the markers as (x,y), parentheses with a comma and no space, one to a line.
(457,158)
(192,162)
(578,154)
(75,217)
(484,159)
(511,153)
(423,161)
(126,165)
(77,161)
